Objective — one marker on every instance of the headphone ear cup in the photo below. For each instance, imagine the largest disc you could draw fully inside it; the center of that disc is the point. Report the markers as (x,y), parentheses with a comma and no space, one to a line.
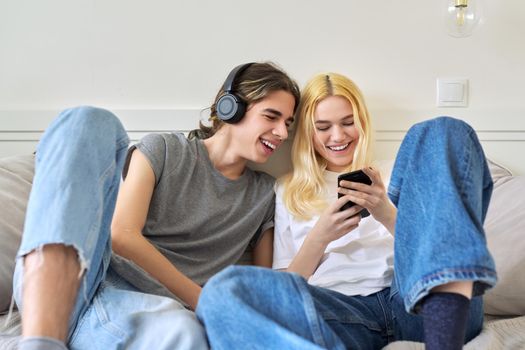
(230,108)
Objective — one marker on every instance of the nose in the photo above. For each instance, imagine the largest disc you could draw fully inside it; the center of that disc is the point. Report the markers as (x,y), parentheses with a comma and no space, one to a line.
(281,131)
(338,133)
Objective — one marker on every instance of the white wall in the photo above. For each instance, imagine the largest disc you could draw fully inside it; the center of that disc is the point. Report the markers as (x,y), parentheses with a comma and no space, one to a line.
(146,56)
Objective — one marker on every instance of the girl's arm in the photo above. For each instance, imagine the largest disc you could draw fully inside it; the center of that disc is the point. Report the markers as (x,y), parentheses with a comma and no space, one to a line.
(332,225)
(263,252)
(308,257)
(129,219)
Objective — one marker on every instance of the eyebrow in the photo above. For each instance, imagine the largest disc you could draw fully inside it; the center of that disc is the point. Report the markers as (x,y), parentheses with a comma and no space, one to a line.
(273,111)
(278,114)
(350,116)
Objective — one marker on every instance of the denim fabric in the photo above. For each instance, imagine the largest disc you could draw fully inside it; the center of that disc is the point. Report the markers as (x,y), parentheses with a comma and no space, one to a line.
(279,310)
(441,186)
(262,309)
(77,174)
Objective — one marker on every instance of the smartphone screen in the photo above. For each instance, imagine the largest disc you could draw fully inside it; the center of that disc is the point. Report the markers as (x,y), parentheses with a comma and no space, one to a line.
(354,176)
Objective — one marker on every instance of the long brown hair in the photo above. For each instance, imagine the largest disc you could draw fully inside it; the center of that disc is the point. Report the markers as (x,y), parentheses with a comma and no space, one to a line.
(252,85)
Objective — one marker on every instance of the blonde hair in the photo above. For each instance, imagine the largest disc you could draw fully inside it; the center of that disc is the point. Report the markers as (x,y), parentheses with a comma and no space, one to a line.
(303,187)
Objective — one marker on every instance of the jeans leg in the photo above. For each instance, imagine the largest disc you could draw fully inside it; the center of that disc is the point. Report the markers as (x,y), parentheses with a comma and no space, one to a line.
(257,308)
(441,186)
(77,174)
(361,322)
(121,317)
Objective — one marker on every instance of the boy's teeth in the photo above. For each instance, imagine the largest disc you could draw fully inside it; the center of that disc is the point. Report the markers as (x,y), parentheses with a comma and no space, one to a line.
(271,145)
(339,148)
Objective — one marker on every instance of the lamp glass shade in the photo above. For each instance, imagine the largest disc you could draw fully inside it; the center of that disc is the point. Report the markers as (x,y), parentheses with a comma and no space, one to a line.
(462,17)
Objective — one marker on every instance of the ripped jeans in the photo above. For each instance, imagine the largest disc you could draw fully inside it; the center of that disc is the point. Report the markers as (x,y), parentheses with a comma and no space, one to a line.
(441,187)
(77,174)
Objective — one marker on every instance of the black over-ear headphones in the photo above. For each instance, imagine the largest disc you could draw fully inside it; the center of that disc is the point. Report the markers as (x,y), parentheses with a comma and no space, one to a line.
(230,107)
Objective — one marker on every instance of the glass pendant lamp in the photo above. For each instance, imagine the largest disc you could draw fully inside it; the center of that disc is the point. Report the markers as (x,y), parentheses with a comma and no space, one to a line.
(462,17)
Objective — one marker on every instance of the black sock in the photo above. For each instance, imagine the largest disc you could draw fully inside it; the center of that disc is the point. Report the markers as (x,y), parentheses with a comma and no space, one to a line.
(445,320)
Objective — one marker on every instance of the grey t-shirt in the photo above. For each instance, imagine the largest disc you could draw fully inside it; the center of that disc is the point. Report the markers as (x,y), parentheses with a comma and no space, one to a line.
(198,219)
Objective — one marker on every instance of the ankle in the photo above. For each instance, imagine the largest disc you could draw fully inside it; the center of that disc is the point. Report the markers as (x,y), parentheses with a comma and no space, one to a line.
(445,317)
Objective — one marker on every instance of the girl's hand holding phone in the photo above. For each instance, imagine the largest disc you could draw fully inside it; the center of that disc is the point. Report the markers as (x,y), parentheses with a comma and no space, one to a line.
(373,197)
(334,223)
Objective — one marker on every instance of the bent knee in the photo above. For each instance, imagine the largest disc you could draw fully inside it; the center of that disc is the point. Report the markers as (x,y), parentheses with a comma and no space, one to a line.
(445,124)
(222,286)
(93,122)
(229,277)
(90,113)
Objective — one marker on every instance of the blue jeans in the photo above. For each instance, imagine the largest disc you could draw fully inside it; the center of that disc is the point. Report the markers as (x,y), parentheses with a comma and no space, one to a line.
(77,175)
(441,186)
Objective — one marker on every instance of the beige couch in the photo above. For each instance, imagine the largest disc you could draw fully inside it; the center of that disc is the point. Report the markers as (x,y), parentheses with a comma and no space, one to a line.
(505,228)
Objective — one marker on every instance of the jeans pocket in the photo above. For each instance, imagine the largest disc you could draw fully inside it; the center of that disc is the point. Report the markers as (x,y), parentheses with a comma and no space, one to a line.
(95,323)
(350,318)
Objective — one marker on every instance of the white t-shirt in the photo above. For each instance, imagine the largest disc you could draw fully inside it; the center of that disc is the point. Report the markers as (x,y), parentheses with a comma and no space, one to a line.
(359,263)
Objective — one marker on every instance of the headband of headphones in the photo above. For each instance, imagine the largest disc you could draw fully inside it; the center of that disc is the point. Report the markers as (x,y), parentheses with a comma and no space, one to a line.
(230,107)
(228,83)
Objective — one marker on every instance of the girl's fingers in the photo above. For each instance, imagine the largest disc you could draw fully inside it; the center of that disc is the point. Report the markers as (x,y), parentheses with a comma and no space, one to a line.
(353,220)
(351,212)
(357,197)
(340,202)
(355,186)
(373,174)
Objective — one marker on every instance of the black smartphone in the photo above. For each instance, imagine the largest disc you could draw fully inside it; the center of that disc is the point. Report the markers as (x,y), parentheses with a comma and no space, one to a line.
(354,176)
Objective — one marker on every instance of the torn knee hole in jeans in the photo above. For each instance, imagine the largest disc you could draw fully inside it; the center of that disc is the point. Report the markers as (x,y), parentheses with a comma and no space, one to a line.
(39,264)
(41,257)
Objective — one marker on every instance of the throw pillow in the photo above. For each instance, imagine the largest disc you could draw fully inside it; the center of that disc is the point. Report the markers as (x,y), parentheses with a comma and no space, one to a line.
(16,177)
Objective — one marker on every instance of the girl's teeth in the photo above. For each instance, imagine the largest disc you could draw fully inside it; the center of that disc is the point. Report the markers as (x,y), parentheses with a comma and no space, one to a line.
(271,145)
(339,148)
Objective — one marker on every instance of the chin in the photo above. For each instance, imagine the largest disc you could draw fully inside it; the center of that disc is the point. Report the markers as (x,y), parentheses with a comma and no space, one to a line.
(341,164)
(260,160)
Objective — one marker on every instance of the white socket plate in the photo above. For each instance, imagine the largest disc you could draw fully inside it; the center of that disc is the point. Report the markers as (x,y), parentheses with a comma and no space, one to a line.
(452,92)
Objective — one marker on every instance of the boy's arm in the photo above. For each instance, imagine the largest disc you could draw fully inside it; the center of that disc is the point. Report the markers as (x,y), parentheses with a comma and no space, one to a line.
(263,252)
(129,219)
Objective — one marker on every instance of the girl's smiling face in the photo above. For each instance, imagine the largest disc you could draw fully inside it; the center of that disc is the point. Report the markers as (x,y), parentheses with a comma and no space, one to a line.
(335,135)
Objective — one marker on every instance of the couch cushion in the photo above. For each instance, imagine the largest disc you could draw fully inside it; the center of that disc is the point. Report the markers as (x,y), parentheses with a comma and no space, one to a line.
(505,230)
(498,171)
(16,177)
